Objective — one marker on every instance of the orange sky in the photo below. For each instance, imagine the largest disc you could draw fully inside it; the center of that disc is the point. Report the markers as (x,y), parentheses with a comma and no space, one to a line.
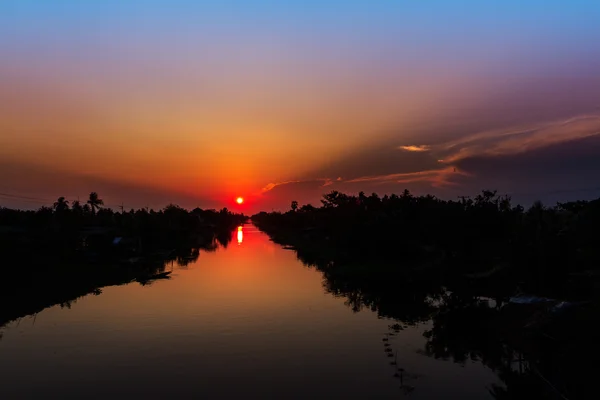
(154,105)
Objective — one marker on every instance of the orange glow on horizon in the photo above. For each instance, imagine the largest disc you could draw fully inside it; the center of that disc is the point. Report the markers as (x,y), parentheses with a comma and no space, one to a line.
(239,200)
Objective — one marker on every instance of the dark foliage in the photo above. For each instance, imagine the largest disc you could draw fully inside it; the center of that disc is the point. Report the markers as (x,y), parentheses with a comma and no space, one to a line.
(55,255)
(422,259)
(65,233)
(539,249)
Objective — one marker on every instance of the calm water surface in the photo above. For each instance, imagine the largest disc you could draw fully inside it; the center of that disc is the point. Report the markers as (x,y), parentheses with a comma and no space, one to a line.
(246,321)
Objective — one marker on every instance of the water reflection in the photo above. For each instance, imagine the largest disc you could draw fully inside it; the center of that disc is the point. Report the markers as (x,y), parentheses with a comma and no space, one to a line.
(459,326)
(251,314)
(240,235)
(64,285)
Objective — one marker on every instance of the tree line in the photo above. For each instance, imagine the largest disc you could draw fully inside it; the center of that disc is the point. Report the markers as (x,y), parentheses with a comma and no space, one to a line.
(58,230)
(456,264)
(482,236)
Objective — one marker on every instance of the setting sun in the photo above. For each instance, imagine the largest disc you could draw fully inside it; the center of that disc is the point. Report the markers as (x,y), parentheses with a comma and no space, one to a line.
(240,200)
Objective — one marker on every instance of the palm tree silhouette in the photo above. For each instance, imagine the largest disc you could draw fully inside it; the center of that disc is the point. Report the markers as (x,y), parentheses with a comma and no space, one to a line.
(76,207)
(95,202)
(61,205)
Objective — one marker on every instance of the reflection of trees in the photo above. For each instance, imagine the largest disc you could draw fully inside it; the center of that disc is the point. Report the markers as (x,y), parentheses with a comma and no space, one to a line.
(187,257)
(464,327)
(223,238)
(63,284)
(484,245)
(63,252)
(407,298)
(520,385)
(537,249)
(211,246)
(409,302)
(461,331)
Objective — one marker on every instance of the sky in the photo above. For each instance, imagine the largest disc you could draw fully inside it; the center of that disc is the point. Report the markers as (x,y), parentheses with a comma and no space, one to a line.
(198,102)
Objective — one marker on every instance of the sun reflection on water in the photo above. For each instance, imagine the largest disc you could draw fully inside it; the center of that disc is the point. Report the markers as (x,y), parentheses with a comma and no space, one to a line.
(240,235)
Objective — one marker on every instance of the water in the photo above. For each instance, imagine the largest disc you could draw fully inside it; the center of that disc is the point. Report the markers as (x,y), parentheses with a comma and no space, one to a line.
(249,320)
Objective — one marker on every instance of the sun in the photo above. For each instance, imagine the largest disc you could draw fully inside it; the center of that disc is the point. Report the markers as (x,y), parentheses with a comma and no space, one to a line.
(239,200)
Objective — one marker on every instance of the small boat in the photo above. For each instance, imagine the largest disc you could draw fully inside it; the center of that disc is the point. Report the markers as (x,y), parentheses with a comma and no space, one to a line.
(145,279)
(162,275)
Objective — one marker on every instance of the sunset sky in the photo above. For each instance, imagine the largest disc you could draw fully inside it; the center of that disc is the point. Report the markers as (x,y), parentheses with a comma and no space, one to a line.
(198,102)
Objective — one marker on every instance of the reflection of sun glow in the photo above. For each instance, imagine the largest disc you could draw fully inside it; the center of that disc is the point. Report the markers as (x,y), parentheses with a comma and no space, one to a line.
(240,235)
(239,200)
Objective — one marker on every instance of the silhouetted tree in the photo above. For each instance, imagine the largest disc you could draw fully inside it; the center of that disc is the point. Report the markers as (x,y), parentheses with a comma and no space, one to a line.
(331,199)
(540,247)
(87,209)
(95,202)
(76,207)
(307,208)
(362,198)
(294,205)
(61,205)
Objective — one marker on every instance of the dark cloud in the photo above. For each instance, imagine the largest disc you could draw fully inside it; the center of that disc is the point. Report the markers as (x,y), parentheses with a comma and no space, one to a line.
(379,159)
(560,171)
(535,137)
(546,169)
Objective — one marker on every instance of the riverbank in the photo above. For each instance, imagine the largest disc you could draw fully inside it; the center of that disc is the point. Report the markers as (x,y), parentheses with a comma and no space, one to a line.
(466,267)
(540,347)
(27,288)
(56,255)
(485,241)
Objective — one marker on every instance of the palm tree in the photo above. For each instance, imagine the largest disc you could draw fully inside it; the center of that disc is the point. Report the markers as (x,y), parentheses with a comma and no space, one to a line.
(61,205)
(95,202)
(76,206)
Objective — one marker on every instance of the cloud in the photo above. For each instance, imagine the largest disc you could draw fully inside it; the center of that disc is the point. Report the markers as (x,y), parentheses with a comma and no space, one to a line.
(324,182)
(280,194)
(373,160)
(557,172)
(437,177)
(532,134)
(519,139)
(414,148)
(271,186)
(507,158)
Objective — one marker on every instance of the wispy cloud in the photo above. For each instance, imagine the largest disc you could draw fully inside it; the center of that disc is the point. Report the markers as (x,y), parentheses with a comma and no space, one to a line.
(417,148)
(444,164)
(437,177)
(271,186)
(323,182)
(519,139)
